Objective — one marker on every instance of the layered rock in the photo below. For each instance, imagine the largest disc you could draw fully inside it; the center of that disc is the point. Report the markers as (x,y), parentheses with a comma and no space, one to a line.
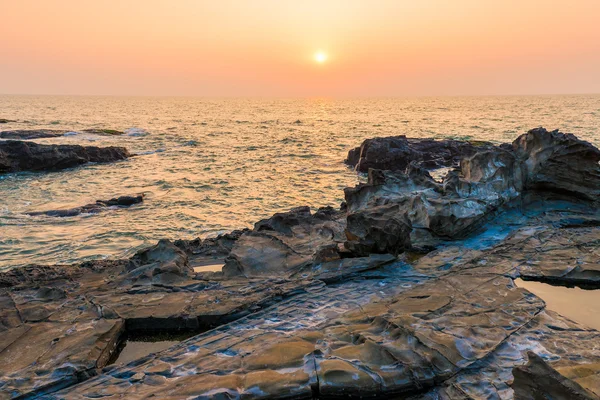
(94,208)
(18,156)
(395,153)
(540,164)
(452,333)
(293,244)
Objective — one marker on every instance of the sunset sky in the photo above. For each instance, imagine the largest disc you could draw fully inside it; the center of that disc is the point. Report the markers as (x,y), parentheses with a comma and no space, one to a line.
(270,47)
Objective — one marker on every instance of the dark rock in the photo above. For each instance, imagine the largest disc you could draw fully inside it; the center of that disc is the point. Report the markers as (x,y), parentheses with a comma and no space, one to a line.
(94,208)
(558,162)
(103,132)
(538,380)
(6,121)
(18,156)
(285,244)
(540,164)
(395,153)
(381,229)
(27,134)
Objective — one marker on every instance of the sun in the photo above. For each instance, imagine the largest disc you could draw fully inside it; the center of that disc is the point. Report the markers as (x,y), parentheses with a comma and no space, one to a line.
(320,57)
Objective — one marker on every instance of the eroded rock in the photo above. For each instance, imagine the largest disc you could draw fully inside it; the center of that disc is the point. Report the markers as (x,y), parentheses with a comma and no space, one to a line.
(395,153)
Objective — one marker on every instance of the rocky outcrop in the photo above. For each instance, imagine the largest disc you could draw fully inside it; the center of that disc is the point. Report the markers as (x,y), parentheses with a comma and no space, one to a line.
(395,153)
(28,134)
(559,163)
(94,208)
(538,380)
(538,164)
(317,305)
(285,244)
(18,156)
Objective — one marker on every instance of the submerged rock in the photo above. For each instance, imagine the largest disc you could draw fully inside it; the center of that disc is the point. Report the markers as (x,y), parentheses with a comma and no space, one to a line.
(94,208)
(28,134)
(18,156)
(395,153)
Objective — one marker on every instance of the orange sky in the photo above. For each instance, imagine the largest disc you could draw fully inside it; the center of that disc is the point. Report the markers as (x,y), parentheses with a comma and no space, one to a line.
(267,47)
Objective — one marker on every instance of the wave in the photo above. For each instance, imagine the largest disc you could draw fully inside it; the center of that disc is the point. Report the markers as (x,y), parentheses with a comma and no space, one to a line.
(136,132)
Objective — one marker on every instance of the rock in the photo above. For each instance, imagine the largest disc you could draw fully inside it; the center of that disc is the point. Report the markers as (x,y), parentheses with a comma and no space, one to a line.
(537,380)
(306,307)
(559,163)
(285,244)
(539,165)
(28,134)
(6,121)
(429,333)
(94,208)
(103,132)
(18,156)
(395,153)
(382,229)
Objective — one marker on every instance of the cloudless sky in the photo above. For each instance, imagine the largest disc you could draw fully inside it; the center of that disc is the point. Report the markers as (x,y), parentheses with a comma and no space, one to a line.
(267,47)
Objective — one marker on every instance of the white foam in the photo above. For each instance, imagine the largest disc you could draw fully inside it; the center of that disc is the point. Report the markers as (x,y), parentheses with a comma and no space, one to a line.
(136,132)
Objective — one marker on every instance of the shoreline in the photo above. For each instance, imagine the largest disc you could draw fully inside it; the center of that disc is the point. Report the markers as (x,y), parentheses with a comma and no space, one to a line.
(333,302)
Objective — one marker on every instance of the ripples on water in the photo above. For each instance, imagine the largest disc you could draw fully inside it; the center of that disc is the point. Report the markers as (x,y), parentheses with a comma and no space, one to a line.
(209,166)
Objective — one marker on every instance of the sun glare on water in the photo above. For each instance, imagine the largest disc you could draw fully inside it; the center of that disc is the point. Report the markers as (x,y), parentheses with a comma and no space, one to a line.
(320,57)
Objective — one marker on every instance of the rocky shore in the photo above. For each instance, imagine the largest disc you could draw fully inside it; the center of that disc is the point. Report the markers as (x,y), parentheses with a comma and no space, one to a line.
(406,291)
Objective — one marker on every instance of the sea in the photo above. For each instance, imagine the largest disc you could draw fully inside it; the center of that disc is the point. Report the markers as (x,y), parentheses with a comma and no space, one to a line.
(208,166)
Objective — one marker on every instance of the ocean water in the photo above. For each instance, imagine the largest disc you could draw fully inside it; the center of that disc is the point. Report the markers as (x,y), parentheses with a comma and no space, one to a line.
(208,166)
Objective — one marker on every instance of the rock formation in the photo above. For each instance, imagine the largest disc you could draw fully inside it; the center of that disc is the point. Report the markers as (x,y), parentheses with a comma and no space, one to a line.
(94,208)
(334,303)
(538,164)
(18,156)
(395,153)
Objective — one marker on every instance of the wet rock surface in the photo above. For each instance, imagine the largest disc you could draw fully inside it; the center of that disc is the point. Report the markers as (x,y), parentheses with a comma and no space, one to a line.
(94,208)
(18,156)
(407,291)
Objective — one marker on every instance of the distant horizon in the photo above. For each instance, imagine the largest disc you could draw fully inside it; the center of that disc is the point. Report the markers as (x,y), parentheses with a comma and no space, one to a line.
(297,97)
(314,48)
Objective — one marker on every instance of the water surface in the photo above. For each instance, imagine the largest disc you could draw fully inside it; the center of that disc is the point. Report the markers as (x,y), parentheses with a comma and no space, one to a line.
(210,166)
(578,304)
